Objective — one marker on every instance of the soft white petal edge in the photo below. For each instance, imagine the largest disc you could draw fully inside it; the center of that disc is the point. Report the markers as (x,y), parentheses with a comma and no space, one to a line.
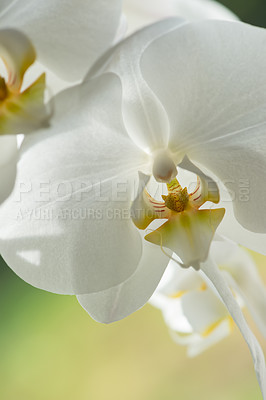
(144,116)
(62,169)
(120,301)
(211,271)
(69,36)
(197,344)
(220,126)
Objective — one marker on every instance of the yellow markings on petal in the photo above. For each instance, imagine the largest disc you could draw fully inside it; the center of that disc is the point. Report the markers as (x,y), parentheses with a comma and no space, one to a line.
(145,208)
(189,230)
(178,294)
(20,112)
(203,287)
(211,328)
(26,111)
(188,234)
(18,54)
(231,323)
(206,190)
(174,186)
(142,211)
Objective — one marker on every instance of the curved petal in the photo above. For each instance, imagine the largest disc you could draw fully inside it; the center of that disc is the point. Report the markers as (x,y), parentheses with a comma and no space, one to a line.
(120,301)
(218,116)
(188,234)
(232,229)
(176,280)
(53,83)
(67,227)
(173,314)
(140,13)
(143,114)
(243,277)
(25,112)
(212,272)
(208,187)
(17,53)
(203,310)
(8,165)
(197,343)
(69,35)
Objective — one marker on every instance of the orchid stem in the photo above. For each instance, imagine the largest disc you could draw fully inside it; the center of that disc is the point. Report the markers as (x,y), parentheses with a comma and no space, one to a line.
(212,272)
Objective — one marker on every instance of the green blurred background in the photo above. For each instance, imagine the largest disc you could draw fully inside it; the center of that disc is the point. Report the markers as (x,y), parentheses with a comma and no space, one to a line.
(51,349)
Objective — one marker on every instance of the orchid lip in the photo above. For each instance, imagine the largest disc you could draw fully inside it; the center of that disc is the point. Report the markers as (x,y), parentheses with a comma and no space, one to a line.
(189,230)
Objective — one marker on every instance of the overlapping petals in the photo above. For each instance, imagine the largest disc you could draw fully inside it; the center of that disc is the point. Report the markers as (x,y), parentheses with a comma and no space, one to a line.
(219,126)
(67,218)
(69,35)
(173,91)
(120,301)
(137,112)
(21,110)
(194,311)
(227,134)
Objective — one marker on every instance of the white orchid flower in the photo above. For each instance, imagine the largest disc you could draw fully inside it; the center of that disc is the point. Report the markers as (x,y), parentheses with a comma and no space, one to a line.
(193,310)
(66,45)
(141,13)
(175,95)
(21,110)
(68,35)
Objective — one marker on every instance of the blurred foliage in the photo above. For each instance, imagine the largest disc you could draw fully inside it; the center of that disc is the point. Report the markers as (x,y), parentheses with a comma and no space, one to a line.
(51,349)
(251,11)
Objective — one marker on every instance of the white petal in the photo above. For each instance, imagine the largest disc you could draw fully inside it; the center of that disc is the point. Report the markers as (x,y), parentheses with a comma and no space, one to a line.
(5,4)
(203,309)
(188,234)
(196,347)
(140,13)
(214,275)
(144,116)
(216,108)
(8,163)
(69,35)
(17,53)
(53,83)
(175,318)
(177,279)
(243,277)
(118,302)
(86,164)
(208,187)
(232,229)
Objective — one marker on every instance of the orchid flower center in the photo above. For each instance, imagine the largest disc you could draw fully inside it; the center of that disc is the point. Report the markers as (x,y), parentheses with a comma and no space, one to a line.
(189,230)
(21,111)
(177,201)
